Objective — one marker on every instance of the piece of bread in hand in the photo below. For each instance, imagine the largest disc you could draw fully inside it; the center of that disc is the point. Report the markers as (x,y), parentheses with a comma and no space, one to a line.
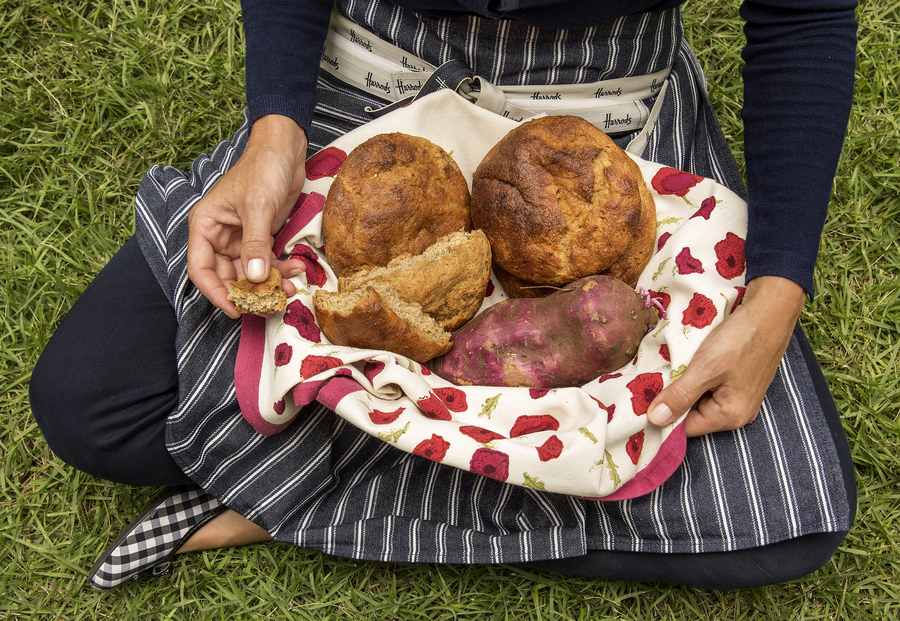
(258,298)
(373,317)
(448,280)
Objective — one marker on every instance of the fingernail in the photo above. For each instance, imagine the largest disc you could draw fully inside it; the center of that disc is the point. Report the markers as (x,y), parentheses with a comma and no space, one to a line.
(660,415)
(256,269)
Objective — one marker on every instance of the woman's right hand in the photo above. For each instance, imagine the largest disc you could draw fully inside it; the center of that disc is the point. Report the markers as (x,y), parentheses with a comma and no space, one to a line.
(232,228)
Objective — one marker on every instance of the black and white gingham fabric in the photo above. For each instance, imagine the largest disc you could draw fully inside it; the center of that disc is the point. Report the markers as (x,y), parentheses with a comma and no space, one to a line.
(323,484)
(154,536)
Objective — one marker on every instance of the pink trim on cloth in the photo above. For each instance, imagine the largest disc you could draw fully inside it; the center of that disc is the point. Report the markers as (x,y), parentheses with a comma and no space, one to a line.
(248,374)
(252,347)
(654,474)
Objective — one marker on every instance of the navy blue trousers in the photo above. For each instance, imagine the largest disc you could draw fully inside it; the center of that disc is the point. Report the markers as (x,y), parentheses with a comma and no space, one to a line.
(106,382)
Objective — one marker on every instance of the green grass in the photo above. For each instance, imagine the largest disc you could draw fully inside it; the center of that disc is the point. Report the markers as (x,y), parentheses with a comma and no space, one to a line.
(92,94)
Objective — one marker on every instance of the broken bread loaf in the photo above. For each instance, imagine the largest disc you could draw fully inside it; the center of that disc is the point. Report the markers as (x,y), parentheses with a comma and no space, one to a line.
(376,318)
(448,280)
(411,305)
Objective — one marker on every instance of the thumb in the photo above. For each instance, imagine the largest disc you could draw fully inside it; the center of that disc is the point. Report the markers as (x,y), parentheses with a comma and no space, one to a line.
(677,398)
(256,242)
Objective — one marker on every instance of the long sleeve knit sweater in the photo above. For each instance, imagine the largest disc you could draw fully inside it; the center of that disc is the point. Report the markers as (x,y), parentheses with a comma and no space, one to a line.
(798,88)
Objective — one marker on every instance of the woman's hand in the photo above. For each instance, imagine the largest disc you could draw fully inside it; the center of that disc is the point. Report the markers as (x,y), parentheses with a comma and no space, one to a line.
(232,228)
(726,380)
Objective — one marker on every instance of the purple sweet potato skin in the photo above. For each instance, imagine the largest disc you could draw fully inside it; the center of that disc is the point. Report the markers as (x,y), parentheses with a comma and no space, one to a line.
(568,338)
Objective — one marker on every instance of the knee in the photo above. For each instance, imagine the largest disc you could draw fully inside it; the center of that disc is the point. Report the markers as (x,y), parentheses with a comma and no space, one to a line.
(775,563)
(802,557)
(55,394)
(99,428)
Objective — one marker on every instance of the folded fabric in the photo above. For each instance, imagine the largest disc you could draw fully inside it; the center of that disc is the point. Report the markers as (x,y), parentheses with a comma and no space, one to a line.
(592,441)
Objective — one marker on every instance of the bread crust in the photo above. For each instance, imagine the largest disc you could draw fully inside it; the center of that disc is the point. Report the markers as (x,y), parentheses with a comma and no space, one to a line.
(365,321)
(559,200)
(395,194)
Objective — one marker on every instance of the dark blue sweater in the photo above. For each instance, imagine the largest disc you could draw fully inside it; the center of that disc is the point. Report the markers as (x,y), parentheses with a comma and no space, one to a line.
(798,88)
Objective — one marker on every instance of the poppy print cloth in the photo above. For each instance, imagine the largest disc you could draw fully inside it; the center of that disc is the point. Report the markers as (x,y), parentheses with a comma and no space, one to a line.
(592,441)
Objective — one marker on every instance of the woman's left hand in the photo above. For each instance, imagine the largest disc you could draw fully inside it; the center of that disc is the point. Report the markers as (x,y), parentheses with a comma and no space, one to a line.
(726,381)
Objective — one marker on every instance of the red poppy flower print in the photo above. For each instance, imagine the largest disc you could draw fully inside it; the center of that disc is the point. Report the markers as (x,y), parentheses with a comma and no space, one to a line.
(533,424)
(537,393)
(490,463)
(313,365)
(325,163)
(737,301)
(608,376)
(687,264)
(385,418)
(315,273)
(489,291)
(453,398)
(480,434)
(301,318)
(304,252)
(610,410)
(664,352)
(634,446)
(372,368)
(644,389)
(730,255)
(435,448)
(674,181)
(435,409)
(700,312)
(283,353)
(279,407)
(706,208)
(550,449)
(662,240)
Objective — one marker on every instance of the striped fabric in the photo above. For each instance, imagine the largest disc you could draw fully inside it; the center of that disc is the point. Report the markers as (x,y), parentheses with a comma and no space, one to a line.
(323,484)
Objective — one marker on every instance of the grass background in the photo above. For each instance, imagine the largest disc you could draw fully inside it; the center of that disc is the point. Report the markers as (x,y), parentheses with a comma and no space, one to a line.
(92,94)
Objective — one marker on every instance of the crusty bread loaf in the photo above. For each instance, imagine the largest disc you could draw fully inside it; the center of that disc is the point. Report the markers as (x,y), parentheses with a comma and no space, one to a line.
(262,298)
(394,194)
(628,269)
(559,200)
(376,318)
(448,280)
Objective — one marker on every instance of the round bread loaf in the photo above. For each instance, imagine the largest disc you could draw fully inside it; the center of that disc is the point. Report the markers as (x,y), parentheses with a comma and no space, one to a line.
(395,194)
(559,200)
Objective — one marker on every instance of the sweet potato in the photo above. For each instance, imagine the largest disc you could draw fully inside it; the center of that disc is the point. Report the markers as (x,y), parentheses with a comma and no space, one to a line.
(593,326)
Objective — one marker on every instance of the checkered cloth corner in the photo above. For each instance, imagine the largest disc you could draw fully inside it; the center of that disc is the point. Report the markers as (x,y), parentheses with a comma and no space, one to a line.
(154,536)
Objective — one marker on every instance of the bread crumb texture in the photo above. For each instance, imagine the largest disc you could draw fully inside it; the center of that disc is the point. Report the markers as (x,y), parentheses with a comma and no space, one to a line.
(262,298)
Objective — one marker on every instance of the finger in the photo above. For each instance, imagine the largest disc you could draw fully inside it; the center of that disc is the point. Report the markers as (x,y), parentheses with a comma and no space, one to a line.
(207,271)
(679,396)
(289,268)
(703,418)
(257,240)
(718,412)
